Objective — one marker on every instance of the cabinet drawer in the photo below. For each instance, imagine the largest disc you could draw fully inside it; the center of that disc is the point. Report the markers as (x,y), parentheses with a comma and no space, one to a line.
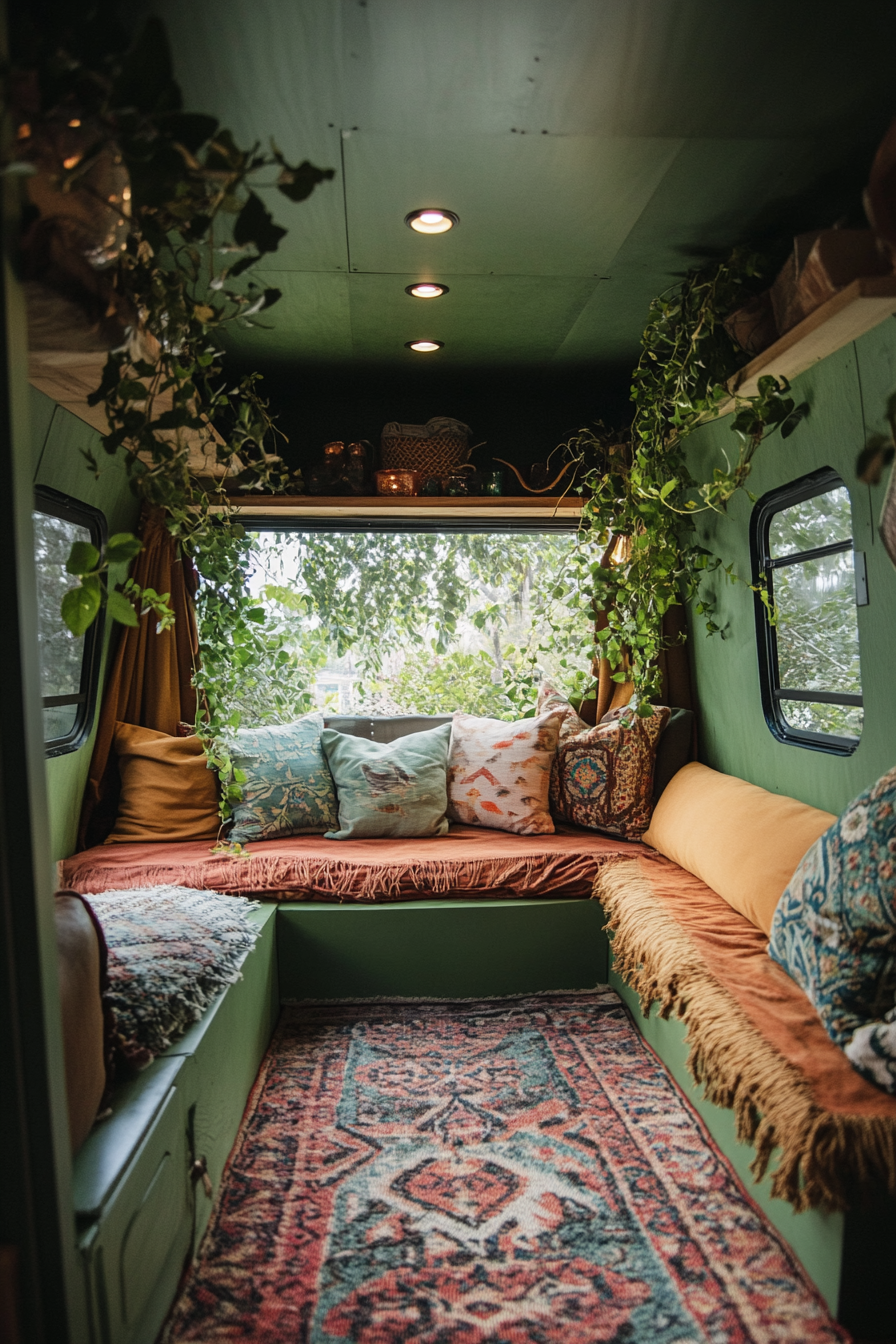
(143,1235)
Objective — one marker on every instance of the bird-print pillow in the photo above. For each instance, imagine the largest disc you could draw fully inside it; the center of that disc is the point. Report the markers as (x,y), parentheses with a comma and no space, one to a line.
(499,774)
(389,788)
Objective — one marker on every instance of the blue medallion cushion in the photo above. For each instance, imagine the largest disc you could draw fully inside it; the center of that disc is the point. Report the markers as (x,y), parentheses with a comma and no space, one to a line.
(288,789)
(834,931)
(389,788)
(602,778)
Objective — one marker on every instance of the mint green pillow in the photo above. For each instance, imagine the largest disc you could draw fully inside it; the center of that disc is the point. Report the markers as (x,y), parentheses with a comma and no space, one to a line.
(389,788)
(289,789)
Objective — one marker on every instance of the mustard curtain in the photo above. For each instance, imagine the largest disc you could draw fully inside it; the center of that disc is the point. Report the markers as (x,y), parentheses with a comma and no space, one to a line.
(150,682)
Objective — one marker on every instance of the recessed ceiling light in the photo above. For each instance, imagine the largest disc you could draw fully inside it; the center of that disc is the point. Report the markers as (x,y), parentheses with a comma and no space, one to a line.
(426,290)
(431,221)
(423,347)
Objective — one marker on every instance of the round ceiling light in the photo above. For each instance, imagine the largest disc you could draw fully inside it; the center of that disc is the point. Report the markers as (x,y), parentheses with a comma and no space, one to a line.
(426,289)
(431,221)
(423,347)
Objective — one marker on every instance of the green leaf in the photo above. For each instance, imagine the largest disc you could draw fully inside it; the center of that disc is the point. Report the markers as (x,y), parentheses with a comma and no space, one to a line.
(83,558)
(255,224)
(80,606)
(111,375)
(146,79)
(297,184)
(120,609)
(122,548)
(190,129)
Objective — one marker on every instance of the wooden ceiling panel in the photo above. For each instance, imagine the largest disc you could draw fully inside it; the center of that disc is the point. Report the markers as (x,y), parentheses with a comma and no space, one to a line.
(311,322)
(528,205)
(482,320)
(715,189)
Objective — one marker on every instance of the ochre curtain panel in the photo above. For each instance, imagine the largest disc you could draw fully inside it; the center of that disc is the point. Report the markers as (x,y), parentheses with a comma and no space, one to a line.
(150,682)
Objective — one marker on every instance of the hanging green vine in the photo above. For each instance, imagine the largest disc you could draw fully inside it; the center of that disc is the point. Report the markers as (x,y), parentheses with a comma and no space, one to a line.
(644,491)
(147,216)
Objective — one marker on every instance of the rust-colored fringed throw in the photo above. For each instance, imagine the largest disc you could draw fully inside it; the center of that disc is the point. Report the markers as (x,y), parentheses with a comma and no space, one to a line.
(756,1043)
(150,683)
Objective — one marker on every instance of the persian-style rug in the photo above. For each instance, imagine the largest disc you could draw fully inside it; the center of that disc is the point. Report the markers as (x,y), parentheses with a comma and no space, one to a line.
(517,1171)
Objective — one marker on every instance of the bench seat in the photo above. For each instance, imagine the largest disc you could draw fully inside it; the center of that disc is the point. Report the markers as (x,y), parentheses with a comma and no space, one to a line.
(468,862)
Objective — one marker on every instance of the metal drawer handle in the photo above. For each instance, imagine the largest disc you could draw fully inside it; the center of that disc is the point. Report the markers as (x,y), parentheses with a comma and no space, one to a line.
(199,1172)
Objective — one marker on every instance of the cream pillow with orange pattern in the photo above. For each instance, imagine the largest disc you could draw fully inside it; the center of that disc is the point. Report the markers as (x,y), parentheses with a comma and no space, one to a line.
(499,774)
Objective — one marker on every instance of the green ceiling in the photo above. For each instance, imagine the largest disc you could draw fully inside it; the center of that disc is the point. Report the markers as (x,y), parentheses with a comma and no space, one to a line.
(592,148)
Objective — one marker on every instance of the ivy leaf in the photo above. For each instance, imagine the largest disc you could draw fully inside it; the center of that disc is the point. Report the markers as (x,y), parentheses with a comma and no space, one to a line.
(146,79)
(190,129)
(297,184)
(121,548)
(120,609)
(255,224)
(80,605)
(109,382)
(83,558)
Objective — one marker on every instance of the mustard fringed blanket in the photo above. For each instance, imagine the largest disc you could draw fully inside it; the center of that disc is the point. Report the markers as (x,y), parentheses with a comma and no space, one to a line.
(756,1043)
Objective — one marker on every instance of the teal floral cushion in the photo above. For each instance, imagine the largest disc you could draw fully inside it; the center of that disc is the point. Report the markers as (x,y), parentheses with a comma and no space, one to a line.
(389,788)
(834,931)
(288,788)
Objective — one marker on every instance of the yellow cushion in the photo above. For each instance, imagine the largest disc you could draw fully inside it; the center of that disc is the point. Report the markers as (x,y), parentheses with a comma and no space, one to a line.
(167,790)
(741,840)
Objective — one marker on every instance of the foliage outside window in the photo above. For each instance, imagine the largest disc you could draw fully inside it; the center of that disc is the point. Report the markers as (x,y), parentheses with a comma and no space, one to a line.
(422,622)
(69,665)
(808,632)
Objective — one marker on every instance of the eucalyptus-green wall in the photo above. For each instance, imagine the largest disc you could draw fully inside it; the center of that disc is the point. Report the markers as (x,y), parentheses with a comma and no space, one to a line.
(58,437)
(848,394)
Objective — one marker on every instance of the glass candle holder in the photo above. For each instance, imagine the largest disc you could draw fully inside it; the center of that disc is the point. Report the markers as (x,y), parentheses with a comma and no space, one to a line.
(398,482)
(493,482)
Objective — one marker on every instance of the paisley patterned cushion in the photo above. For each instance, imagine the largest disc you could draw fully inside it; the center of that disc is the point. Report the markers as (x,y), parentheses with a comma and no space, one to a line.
(289,789)
(603,776)
(834,931)
(389,788)
(499,773)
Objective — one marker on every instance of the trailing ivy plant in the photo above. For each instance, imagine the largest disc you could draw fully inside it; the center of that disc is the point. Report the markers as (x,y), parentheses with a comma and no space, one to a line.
(644,492)
(164,227)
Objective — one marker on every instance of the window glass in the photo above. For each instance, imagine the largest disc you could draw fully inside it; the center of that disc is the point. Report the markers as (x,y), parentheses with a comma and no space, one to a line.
(66,661)
(811,523)
(809,657)
(419,622)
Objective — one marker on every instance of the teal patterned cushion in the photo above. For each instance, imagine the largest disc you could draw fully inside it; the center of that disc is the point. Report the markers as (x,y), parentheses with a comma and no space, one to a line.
(834,931)
(289,789)
(389,788)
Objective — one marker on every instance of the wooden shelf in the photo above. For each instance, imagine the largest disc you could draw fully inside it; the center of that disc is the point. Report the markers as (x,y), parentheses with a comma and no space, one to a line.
(567,507)
(857,308)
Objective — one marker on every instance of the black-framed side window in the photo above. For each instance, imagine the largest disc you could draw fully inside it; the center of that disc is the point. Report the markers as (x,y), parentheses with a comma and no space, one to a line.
(802,550)
(69,664)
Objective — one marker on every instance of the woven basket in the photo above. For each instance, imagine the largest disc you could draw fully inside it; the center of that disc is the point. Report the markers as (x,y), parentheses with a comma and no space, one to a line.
(436,448)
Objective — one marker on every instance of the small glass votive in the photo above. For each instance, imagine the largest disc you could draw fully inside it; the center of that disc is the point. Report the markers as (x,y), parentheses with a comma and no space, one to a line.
(398,482)
(493,482)
(465,481)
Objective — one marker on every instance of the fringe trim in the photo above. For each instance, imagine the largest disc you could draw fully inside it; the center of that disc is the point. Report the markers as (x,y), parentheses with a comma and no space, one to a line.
(341,879)
(823,1155)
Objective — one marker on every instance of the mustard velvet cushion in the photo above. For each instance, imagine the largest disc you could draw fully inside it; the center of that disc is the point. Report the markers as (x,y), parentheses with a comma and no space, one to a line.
(167,789)
(741,840)
(499,774)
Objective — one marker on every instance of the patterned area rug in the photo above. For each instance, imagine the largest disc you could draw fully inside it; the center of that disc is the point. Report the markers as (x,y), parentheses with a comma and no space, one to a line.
(517,1171)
